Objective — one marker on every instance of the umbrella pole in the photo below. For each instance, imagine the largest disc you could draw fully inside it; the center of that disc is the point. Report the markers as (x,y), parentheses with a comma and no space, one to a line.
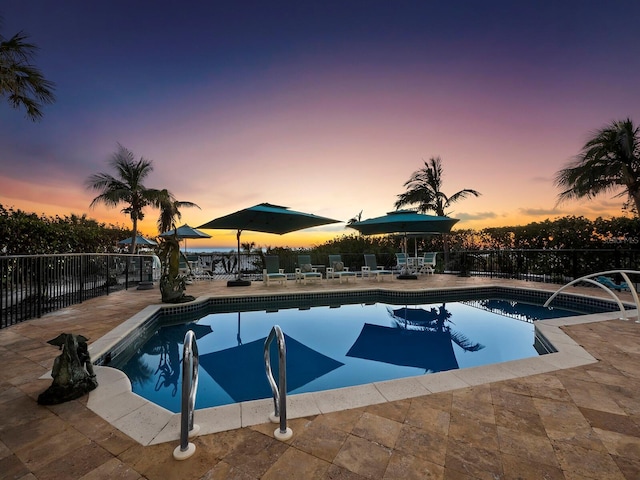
(405,275)
(238,282)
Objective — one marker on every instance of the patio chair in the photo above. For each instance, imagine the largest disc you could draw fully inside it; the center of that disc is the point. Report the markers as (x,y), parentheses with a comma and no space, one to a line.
(337,269)
(199,272)
(608,282)
(401,262)
(429,263)
(272,271)
(305,271)
(370,268)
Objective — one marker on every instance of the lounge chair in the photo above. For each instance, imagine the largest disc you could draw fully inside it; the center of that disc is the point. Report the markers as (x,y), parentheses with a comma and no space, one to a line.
(337,269)
(370,268)
(429,263)
(306,271)
(608,282)
(272,271)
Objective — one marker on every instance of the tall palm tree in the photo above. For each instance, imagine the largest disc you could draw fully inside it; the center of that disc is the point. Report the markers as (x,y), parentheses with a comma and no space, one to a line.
(170,210)
(424,189)
(20,82)
(608,162)
(126,188)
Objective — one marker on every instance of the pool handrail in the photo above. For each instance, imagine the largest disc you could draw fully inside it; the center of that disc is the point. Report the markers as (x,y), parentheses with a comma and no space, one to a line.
(282,433)
(589,279)
(190,361)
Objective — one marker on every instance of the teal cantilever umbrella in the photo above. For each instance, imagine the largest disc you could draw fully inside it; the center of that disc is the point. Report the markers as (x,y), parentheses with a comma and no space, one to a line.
(266,218)
(140,240)
(407,222)
(404,221)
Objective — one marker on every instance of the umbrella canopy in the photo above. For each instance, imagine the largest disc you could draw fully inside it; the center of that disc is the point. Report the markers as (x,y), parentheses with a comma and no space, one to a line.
(266,218)
(405,221)
(430,350)
(250,382)
(185,231)
(140,240)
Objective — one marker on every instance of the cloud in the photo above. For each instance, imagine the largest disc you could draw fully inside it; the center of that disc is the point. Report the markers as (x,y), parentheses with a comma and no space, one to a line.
(536,212)
(545,180)
(476,216)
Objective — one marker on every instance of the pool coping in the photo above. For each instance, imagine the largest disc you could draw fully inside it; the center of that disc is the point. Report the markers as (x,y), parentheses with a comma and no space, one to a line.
(150,424)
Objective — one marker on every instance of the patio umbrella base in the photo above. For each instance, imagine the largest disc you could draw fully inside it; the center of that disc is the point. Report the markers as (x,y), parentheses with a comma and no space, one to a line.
(406,276)
(238,283)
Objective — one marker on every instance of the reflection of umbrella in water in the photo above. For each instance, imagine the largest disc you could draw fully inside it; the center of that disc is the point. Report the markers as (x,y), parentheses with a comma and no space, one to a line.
(430,350)
(264,218)
(407,222)
(249,381)
(420,339)
(432,320)
(185,231)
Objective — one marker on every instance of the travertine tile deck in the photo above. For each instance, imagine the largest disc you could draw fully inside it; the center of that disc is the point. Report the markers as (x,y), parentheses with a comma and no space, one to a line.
(574,423)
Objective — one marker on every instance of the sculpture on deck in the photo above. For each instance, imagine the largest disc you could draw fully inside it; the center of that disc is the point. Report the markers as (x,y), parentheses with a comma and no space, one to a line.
(172,282)
(72,371)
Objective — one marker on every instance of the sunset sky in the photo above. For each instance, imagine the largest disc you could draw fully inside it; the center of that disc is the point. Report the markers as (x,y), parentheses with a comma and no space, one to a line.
(326,107)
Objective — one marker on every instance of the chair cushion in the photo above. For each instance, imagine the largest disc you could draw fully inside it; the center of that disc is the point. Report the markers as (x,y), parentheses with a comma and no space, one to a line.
(338,266)
(305,267)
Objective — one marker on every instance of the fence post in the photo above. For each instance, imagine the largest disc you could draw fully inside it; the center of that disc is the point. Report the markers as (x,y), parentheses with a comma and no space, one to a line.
(39,277)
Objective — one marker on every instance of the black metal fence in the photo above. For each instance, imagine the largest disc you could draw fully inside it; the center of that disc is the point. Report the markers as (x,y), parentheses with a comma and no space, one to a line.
(36,284)
(553,266)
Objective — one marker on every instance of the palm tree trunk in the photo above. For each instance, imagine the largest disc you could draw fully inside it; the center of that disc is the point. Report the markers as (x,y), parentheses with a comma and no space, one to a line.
(445,248)
(134,236)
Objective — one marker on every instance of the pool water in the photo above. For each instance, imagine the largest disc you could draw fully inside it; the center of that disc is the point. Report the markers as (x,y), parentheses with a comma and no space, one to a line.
(330,348)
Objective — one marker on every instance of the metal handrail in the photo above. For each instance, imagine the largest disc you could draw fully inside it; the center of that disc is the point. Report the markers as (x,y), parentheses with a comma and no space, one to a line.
(589,279)
(190,361)
(279,391)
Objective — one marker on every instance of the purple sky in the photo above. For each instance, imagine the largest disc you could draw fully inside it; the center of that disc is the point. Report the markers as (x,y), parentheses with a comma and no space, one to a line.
(325,107)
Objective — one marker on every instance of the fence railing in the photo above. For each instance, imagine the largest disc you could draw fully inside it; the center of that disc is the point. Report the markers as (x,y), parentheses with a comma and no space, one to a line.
(32,285)
(552,266)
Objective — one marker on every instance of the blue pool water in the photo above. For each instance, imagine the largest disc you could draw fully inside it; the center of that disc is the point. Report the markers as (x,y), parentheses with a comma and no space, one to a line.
(333,347)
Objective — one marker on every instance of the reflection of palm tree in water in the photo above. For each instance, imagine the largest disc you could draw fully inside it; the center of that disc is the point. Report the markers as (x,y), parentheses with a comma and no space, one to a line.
(169,367)
(432,320)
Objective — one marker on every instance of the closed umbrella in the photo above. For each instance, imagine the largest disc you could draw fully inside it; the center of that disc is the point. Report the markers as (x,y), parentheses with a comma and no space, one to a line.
(406,222)
(266,218)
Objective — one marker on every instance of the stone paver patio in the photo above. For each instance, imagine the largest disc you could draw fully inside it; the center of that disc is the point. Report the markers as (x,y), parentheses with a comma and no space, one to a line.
(575,423)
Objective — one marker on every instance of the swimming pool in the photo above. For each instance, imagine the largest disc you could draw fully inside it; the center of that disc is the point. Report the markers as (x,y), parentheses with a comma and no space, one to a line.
(358,343)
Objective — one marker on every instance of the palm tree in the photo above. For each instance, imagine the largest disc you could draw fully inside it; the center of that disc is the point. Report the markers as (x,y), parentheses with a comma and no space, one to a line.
(20,82)
(608,162)
(127,188)
(424,189)
(170,210)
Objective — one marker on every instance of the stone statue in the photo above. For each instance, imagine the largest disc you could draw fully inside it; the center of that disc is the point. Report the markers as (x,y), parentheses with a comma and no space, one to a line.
(72,371)
(172,283)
